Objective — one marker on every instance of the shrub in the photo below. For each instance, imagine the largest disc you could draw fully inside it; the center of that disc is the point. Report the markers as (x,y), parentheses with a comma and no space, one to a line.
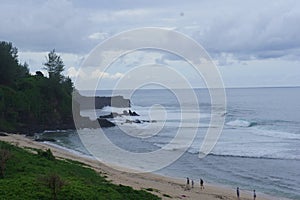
(4,157)
(54,182)
(46,154)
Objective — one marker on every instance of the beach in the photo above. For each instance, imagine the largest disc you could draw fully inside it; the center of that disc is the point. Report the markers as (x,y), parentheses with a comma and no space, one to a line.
(165,187)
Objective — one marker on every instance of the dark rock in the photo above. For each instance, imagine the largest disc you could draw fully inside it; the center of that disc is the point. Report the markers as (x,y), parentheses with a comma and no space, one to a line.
(45,140)
(3,134)
(133,113)
(86,122)
(137,121)
(100,102)
(111,115)
(105,123)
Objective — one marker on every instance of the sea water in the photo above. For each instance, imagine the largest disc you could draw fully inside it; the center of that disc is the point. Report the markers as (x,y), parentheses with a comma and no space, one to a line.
(259,147)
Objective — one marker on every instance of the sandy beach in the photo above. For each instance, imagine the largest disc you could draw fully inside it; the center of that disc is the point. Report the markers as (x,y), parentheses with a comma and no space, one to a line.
(164,187)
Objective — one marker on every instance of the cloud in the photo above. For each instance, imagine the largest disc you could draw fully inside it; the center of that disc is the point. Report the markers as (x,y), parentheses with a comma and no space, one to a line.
(88,74)
(233,32)
(270,30)
(98,36)
(44,26)
(105,75)
(240,28)
(117,15)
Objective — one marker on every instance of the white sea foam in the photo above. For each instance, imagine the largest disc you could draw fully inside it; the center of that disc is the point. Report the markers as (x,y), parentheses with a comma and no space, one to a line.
(276,134)
(240,123)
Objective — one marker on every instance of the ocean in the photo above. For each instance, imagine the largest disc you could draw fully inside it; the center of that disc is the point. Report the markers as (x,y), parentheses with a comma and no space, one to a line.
(259,147)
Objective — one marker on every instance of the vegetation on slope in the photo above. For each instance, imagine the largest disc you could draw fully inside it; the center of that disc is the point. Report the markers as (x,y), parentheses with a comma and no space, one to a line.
(33,102)
(41,176)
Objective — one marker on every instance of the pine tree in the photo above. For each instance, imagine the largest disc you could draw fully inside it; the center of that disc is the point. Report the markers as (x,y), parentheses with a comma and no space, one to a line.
(54,66)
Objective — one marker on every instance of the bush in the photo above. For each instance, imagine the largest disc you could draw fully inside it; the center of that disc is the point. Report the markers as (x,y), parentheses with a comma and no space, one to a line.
(54,182)
(4,157)
(46,154)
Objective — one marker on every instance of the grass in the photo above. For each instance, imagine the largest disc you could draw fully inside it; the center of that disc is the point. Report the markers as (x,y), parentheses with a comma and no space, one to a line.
(24,170)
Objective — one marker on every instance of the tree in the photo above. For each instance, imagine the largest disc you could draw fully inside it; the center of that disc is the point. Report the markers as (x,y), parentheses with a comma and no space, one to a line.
(23,70)
(8,63)
(54,66)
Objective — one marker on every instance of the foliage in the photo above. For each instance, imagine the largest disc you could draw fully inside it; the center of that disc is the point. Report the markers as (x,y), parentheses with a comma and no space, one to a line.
(24,172)
(46,154)
(33,101)
(53,182)
(54,66)
(4,157)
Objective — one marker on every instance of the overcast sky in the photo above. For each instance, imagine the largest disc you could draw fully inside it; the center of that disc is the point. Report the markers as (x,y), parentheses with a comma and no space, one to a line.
(254,43)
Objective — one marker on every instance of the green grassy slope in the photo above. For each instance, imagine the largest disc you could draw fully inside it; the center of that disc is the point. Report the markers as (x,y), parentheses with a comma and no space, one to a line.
(26,173)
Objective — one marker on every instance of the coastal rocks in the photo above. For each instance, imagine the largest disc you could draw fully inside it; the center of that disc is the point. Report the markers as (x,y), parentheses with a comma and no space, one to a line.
(127,113)
(100,102)
(105,123)
(114,114)
(137,121)
(44,140)
(86,122)
(3,134)
(133,113)
(111,115)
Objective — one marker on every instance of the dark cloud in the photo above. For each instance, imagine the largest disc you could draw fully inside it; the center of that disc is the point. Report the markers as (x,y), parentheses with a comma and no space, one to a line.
(42,26)
(246,30)
(253,30)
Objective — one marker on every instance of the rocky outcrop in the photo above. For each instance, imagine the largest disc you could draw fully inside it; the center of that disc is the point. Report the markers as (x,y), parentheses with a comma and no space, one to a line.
(127,113)
(86,122)
(137,121)
(44,140)
(100,102)
(114,114)
(111,115)
(3,134)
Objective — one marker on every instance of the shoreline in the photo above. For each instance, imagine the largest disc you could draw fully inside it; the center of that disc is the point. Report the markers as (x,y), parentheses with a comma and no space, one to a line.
(162,186)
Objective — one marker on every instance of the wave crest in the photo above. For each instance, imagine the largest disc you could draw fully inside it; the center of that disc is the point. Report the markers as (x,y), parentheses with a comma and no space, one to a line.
(240,123)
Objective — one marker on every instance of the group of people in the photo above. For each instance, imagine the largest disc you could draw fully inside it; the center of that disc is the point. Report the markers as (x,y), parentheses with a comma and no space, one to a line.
(238,193)
(187,187)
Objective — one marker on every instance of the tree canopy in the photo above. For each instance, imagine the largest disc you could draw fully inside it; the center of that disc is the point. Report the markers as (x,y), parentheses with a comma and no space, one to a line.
(54,66)
(33,102)
(9,65)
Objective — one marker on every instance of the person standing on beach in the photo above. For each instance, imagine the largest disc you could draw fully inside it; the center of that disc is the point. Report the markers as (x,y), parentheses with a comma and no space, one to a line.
(201,184)
(192,183)
(187,183)
(238,192)
(254,195)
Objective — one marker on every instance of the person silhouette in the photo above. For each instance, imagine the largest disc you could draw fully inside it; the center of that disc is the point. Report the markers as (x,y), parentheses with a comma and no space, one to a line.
(201,184)
(238,192)
(187,183)
(254,195)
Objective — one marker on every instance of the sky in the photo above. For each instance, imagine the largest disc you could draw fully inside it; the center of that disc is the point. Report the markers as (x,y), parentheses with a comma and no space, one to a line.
(253,43)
